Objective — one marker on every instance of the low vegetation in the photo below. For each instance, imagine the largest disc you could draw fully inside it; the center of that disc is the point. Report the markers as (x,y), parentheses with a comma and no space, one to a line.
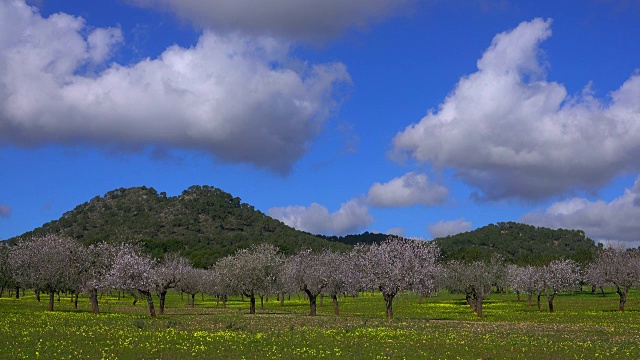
(585,326)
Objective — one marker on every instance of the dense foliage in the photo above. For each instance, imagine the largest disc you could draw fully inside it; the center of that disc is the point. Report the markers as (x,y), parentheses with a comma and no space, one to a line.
(203,224)
(518,244)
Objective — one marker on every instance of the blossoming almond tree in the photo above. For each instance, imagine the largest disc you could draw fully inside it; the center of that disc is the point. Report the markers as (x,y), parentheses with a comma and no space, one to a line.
(396,265)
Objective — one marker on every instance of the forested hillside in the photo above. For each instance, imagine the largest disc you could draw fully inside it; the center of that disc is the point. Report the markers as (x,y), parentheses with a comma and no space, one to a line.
(203,223)
(519,244)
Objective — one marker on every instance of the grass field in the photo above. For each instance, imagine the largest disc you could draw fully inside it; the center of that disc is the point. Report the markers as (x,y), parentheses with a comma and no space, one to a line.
(584,326)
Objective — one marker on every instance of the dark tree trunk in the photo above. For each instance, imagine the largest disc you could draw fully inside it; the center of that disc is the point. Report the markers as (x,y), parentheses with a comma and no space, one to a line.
(336,308)
(224,301)
(281,300)
(388,299)
(17,292)
(38,295)
(312,302)
(58,293)
(51,300)
(75,301)
(261,302)
(518,292)
(252,303)
(93,298)
(193,300)
(479,300)
(539,306)
(529,299)
(550,298)
(419,299)
(602,290)
(593,289)
(623,296)
(162,296)
(152,309)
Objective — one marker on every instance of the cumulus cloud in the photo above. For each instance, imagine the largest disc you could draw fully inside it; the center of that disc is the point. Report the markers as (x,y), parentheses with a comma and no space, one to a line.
(616,220)
(351,218)
(242,99)
(5,211)
(510,133)
(407,190)
(293,19)
(445,228)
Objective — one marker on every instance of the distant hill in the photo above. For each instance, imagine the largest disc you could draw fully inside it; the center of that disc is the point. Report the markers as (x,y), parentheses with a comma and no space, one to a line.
(203,224)
(518,243)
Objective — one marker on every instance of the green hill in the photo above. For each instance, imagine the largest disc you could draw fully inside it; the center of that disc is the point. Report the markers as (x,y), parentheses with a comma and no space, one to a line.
(203,224)
(519,244)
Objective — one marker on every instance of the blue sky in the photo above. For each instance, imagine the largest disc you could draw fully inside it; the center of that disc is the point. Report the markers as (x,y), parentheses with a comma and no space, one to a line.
(420,118)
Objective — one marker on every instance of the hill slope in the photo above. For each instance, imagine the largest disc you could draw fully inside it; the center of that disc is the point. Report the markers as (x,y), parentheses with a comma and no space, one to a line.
(518,243)
(203,223)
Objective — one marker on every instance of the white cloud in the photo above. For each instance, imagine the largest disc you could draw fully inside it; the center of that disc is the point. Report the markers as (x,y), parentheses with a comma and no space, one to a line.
(5,211)
(616,220)
(510,133)
(445,228)
(242,99)
(407,190)
(293,19)
(351,218)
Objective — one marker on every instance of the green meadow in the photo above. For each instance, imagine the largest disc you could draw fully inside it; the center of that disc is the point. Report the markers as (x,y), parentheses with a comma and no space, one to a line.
(584,326)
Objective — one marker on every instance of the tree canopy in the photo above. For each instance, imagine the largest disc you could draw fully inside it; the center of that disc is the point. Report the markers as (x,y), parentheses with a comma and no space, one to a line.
(518,244)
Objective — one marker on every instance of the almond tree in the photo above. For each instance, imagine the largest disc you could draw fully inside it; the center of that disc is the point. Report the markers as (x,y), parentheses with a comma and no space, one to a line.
(99,259)
(397,265)
(528,280)
(310,272)
(472,279)
(617,267)
(133,271)
(342,276)
(253,272)
(6,280)
(167,274)
(192,282)
(48,264)
(559,275)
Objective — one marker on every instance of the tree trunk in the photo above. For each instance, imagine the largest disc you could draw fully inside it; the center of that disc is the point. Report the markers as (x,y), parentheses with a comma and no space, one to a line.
(479,300)
(336,308)
(162,295)
(17,292)
(224,301)
(281,300)
(623,296)
(529,299)
(193,300)
(38,295)
(51,300)
(58,293)
(388,299)
(261,302)
(312,302)
(518,292)
(321,300)
(550,300)
(75,301)
(539,306)
(93,298)
(252,303)
(420,299)
(152,309)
